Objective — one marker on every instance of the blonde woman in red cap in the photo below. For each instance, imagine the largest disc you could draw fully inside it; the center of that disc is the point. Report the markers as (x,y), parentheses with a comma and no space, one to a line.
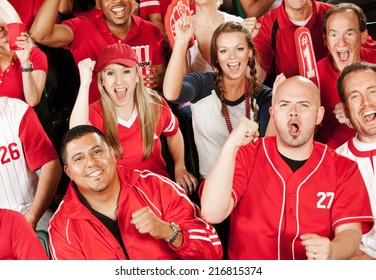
(132,116)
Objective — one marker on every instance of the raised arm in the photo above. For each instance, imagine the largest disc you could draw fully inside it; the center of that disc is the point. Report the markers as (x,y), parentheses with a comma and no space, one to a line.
(80,111)
(256,8)
(66,6)
(33,81)
(45,31)
(185,28)
(216,200)
(49,178)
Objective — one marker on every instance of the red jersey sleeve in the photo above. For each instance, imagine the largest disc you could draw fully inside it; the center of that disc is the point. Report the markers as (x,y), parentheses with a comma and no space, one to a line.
(168,122)
(96,115)
(243,167)
(148,7)
(37,147)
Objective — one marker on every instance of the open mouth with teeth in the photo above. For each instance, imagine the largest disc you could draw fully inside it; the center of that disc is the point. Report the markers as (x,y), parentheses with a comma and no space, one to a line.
(234,66)
(343,55)
(95,173)
(118,11)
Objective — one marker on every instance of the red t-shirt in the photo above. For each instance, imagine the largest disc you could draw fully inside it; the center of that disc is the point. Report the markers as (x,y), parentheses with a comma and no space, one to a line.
(148,7)
(11,84)
(18,240)
(131,140)
(283,58)
(27,10)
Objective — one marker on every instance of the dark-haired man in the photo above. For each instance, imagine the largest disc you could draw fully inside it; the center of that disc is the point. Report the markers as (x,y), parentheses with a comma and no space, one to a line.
(114,213)
(357,89)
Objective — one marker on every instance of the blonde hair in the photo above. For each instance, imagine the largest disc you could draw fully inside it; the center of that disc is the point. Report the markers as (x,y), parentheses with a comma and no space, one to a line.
(8,13)
(148,105)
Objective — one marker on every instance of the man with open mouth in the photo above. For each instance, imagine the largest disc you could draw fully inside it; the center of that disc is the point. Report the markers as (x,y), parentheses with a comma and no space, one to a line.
(289,197)
(357,88)
(344,33)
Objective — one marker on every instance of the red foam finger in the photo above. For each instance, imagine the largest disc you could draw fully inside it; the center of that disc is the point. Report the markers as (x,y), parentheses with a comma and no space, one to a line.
(305,54)
(175,11)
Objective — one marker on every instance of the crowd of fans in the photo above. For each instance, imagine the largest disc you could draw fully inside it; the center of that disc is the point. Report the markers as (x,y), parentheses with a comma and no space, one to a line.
(95,88)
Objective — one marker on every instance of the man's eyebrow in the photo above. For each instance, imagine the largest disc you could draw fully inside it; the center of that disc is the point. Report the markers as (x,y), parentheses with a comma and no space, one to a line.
(299,102)
(359,90)
(91,149)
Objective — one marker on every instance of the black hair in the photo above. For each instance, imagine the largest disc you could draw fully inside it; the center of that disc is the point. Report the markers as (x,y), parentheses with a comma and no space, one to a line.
(75,133)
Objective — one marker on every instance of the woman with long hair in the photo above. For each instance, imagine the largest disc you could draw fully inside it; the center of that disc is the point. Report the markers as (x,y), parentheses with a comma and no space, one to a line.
(219,99)
(132,116)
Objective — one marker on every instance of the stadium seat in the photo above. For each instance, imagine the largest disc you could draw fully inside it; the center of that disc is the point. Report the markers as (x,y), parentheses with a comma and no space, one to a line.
(43,238)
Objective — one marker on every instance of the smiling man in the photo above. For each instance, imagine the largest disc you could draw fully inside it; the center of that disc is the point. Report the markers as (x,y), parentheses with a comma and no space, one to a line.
(289,197)
(85,37)
(113,213)
(344,33)
(357,89)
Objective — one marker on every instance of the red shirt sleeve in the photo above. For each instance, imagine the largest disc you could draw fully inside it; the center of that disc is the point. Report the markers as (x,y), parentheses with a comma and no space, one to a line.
(168,123)
(39,60)
(25,243)
(37,147)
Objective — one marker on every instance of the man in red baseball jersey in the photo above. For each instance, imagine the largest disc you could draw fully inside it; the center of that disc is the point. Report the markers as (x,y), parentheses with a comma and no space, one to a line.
(24,149)
(289,197)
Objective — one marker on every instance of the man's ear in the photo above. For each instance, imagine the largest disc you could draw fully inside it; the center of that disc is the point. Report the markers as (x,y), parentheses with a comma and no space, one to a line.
(320,115)
(99,4)
(112,151)
(67,171)
(271,112)
(363,36)
(346,110)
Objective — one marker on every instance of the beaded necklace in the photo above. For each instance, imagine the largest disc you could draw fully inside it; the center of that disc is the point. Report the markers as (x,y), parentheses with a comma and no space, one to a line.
(247,105)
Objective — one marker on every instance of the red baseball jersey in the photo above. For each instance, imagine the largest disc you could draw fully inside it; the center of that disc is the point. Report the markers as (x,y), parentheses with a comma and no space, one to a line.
(274,206)
(24,148)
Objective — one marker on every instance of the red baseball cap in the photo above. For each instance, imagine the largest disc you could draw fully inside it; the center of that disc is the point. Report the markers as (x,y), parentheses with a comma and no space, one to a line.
(117,53)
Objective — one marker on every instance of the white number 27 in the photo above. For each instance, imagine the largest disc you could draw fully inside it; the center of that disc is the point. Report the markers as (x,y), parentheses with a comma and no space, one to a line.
(322,200)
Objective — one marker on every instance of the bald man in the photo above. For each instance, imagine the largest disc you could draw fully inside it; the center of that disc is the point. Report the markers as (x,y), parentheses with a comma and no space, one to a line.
(289,197)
